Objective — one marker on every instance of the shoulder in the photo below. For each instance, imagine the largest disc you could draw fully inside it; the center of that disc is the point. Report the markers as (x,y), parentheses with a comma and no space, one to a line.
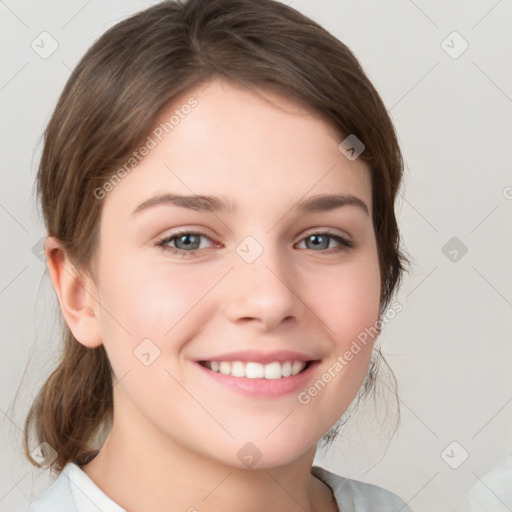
(73,491)
(57,498)
(356,496)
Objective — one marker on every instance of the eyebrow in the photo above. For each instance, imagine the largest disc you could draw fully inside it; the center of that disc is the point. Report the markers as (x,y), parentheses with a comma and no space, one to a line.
(203,203)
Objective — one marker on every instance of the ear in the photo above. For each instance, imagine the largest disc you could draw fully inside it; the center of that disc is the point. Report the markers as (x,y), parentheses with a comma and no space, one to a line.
(77,295)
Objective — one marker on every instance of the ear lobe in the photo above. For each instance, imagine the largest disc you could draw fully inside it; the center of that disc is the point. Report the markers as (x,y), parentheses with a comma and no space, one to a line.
(77,295)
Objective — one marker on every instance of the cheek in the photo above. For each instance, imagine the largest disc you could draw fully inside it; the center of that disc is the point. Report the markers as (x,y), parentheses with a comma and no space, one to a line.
(349,307)
(151,301)
(351,301)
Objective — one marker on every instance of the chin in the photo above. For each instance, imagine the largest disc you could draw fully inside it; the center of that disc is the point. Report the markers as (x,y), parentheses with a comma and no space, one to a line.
(267,453)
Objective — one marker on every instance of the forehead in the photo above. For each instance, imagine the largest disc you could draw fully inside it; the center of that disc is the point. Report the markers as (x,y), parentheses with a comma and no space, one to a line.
(223,139)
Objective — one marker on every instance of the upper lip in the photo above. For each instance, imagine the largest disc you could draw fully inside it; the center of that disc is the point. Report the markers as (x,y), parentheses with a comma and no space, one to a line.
(261,357)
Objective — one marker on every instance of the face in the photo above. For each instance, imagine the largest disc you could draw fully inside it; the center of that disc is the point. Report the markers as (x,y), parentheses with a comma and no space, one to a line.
(265,281)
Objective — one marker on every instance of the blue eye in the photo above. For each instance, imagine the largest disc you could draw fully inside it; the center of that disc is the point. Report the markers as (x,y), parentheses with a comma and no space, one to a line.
(320,239)
(187,243)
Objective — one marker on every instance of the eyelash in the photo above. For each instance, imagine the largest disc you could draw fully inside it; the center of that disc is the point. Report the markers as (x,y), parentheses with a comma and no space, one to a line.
(162,243)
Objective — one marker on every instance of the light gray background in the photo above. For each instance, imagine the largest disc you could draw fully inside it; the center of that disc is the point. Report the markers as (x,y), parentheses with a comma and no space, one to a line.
(449,346)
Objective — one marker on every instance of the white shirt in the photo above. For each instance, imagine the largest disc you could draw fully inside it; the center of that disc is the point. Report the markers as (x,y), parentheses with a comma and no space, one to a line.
(74,491)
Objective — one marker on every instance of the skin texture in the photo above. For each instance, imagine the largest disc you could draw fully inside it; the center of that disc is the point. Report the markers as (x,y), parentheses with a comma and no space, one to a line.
(176,433)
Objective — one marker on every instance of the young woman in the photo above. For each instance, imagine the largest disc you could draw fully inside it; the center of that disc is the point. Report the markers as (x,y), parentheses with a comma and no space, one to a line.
(218,183)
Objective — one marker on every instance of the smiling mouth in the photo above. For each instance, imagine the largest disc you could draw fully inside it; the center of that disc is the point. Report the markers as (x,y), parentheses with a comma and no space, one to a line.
(254,370)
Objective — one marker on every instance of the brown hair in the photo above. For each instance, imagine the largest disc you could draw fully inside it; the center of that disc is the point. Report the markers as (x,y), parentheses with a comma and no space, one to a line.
(108,107)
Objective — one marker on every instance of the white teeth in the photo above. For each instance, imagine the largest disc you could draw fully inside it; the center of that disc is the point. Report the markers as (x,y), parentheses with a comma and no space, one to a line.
(237,369)
(297,367)
(273,371)
(225,368)
(286,369)
(253,370)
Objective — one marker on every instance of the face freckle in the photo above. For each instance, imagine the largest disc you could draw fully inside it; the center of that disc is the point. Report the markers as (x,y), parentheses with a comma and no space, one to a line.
(264,277)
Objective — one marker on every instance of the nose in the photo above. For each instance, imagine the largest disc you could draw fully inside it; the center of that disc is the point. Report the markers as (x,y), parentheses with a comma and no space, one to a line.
(262,291)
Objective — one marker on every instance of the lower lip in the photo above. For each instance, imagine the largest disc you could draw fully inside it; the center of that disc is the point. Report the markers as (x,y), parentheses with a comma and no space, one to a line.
(267,388)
